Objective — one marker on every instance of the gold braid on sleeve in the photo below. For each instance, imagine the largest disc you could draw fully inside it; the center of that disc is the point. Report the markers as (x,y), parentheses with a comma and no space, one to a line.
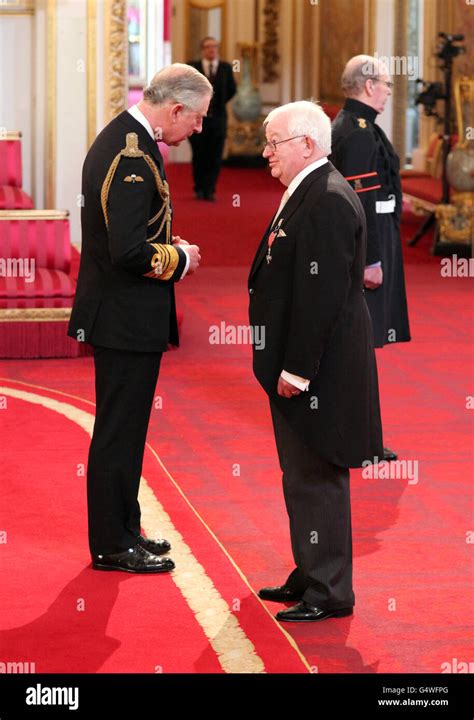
(132,150)
(164,262)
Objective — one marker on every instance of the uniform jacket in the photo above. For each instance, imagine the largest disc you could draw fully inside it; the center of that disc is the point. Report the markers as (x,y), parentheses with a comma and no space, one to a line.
(310,300)
(364,155)
(125,290)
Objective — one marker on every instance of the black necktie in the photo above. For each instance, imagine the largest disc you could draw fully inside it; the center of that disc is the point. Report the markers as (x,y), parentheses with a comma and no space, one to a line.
(212,75)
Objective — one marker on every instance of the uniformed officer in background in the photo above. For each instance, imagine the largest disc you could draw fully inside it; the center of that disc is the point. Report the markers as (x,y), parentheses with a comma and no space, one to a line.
(124,304)
(364,155)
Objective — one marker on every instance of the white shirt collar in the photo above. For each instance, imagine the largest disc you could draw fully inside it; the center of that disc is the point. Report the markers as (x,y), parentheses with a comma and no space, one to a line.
(208,64)
(138,115)
(306,171)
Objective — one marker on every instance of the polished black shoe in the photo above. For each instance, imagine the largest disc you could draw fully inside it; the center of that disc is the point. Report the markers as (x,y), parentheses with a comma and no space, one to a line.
(303,612)
(281,593)
(199,195)
(210,197)
(157,547)
(134,560)
(389,454)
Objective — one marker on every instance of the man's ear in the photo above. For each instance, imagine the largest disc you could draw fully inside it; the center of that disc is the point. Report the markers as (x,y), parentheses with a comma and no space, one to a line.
(369,87)
(309,146)
(176,111)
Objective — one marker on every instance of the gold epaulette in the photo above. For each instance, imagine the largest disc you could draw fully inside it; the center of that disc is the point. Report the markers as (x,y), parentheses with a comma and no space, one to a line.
(131,150)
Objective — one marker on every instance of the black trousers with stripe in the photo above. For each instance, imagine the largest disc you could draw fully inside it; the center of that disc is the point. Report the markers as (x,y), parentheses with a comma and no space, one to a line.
(317,498)
(125,383)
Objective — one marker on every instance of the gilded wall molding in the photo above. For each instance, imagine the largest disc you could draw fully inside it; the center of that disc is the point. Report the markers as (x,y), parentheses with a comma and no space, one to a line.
(17,7)
(400,80)
(116,58)
(50,160)
(343,34)
(270,51)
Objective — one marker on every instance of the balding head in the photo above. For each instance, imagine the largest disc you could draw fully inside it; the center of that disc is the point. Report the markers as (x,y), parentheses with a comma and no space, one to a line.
(366,78)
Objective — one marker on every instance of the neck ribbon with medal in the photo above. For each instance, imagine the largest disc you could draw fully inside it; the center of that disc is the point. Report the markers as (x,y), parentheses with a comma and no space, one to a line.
(276,232)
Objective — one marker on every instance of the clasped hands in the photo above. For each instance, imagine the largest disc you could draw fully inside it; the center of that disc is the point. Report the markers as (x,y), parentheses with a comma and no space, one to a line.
(191,250)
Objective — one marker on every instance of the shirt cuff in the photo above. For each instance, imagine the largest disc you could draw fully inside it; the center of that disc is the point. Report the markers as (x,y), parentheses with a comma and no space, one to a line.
(296,380)
(377,264)
(186,267)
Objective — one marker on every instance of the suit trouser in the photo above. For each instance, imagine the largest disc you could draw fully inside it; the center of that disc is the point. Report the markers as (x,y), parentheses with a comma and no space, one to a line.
(317,497)
(125,383)
(207,147)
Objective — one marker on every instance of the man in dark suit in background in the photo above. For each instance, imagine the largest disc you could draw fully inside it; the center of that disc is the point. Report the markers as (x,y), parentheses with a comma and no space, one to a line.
(318,363)
(124,304)
(209,145)
(365,156)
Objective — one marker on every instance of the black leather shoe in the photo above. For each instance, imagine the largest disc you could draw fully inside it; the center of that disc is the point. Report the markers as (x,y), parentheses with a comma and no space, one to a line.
(134,560)
(389,454)
(157,547)
(281,593)
(199,195)
(210,197)
(303,612)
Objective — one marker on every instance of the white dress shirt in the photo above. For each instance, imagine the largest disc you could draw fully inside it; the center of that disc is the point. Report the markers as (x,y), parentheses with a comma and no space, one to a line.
(207,64)
(296,380)
(138,115)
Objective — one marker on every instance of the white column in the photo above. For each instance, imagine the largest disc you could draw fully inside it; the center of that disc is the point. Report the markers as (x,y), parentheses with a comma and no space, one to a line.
(70,107)
(383,43)
(17,84)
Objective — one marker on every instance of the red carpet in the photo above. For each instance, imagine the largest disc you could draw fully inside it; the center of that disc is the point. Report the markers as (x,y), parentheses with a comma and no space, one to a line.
(213,433)
(226,230)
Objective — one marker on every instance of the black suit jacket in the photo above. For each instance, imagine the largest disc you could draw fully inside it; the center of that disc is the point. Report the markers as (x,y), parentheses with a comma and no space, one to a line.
(310,300)
(224,90)
(125,297)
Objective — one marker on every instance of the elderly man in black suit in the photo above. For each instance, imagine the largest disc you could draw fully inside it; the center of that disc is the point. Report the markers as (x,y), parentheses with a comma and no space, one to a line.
(209,145)
(124,304)
(318,365)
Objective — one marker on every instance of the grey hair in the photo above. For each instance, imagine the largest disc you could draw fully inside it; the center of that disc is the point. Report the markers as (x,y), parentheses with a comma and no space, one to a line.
(358,70)
(306,117)
(178,83)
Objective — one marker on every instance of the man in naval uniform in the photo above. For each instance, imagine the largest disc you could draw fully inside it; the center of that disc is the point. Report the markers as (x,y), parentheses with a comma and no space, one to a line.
(365,156)
(124,304)
(318,363)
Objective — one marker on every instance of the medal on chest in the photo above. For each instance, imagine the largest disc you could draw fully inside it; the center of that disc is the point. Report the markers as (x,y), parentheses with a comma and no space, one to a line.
(276,232)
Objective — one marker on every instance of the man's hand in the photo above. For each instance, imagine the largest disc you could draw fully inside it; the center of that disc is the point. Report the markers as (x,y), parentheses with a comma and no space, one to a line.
(373,277)
(177,240)
(286,389)
(194,257)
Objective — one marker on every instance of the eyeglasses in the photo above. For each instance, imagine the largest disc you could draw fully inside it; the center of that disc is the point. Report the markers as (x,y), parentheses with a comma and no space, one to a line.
(272,145)
(389,84)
